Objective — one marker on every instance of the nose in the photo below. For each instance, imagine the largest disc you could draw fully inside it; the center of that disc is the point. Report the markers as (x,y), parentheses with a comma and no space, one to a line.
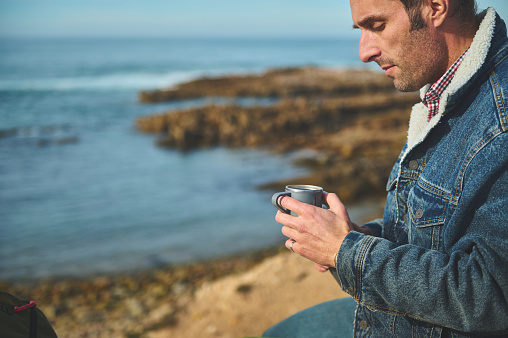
(367,48)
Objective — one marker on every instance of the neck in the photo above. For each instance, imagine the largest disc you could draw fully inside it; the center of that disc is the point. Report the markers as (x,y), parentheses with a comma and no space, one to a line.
(458,39)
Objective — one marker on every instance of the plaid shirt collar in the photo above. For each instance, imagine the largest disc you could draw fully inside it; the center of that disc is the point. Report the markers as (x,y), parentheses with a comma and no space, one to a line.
(433,95)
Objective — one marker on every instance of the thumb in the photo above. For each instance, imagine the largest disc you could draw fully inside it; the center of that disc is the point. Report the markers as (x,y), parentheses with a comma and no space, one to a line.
(332,200)
(335,204)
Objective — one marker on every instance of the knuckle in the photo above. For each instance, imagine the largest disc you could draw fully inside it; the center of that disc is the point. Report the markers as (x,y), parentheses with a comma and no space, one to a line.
(279,217)
(300,227)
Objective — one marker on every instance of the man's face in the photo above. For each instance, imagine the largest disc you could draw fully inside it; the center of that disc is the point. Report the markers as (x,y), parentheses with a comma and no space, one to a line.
(411,59)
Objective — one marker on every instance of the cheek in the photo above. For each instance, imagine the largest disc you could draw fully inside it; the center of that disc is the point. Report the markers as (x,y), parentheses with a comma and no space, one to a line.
(410,53)
(395,48)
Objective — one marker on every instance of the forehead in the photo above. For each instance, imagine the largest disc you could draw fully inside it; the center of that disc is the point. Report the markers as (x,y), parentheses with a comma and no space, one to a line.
(365,10)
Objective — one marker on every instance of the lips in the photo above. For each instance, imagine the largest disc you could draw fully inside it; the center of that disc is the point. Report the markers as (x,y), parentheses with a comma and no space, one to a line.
(388,69)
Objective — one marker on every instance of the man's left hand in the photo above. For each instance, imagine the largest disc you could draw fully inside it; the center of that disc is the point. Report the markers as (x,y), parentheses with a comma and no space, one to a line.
(317,233)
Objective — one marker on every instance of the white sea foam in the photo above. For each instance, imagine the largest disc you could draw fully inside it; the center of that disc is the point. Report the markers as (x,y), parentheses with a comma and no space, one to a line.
(122,81)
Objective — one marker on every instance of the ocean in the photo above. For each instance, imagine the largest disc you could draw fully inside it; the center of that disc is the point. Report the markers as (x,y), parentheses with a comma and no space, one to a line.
(82,192)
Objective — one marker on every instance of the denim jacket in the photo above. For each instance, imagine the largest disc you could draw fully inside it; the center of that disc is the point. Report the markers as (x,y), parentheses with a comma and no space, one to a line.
(437,265)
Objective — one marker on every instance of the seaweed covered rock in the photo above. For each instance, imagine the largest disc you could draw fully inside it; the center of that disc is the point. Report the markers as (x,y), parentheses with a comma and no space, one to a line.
(356,120)
(290,82)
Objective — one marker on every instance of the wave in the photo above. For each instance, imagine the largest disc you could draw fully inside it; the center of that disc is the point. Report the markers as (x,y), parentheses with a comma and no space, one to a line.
(119,81)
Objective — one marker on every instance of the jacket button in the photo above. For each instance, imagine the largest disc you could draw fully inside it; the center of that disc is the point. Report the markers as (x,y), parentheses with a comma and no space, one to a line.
(413,165)
(363,325)
(419,213)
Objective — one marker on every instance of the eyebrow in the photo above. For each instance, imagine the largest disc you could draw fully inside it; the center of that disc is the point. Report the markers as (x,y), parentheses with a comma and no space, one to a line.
(365,21)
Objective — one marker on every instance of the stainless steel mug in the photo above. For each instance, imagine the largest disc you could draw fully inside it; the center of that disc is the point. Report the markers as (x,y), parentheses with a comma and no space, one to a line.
(310,194)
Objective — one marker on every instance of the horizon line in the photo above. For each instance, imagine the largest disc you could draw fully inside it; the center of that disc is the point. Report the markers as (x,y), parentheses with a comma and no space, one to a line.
(172,36)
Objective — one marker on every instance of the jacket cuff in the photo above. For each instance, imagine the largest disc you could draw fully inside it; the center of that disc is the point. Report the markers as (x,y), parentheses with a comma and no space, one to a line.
(350,262)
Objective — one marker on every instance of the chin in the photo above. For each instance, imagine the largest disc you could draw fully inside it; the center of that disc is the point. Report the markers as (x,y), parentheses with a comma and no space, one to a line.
(406,87)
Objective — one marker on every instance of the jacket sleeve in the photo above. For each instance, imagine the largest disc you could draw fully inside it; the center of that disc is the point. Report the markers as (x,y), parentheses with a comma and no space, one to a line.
(375,226)
(464,287)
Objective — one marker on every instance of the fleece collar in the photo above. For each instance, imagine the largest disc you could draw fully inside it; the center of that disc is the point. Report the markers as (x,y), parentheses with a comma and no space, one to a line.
(474,59)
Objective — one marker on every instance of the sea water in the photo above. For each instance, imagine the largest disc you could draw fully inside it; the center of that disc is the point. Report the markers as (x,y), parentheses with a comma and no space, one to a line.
(82,192)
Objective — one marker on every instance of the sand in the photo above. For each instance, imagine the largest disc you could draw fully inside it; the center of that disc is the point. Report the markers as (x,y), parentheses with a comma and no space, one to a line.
(247,304)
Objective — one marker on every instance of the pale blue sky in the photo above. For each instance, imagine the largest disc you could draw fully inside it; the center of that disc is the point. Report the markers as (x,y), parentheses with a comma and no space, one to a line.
(272,18)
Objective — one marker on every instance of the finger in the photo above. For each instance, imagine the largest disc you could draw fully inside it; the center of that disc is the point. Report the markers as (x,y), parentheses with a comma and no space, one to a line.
(321,268)
(290,233)
(332,200)
(292,204)
(290,244)
(285,219)
(336,205)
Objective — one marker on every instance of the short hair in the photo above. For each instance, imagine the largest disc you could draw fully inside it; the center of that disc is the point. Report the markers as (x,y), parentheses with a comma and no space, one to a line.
(466,12)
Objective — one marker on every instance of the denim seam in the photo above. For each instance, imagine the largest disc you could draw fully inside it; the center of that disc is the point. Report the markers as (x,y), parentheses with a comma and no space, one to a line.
(341,283)
(434,190)
(499,100)
(392,325)
(481,145)
(436,238)
(403,186)
(371,325)
(479,79)
(339,279)
(411,176)
(360,266)
(388,310)
(388,225)
(483,142)
(429,222)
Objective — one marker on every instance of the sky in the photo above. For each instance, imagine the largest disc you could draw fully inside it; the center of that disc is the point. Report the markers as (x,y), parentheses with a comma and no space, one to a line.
(184,18)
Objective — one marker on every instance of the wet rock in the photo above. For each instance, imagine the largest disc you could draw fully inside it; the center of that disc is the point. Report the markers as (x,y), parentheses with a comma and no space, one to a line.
(11,132)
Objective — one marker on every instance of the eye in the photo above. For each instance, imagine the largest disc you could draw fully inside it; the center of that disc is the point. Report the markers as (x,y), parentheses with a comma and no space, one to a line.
(377,26)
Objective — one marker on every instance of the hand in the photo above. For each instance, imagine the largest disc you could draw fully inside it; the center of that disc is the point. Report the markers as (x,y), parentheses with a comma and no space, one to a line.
(321,268)
(318,232)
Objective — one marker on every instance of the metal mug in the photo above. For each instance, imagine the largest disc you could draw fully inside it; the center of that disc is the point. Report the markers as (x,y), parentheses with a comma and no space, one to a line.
(310,194)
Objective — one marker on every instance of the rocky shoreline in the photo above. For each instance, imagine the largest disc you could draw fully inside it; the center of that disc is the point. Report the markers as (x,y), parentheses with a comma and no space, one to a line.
(354,120)
(281,83)
(354,123)
(130,304)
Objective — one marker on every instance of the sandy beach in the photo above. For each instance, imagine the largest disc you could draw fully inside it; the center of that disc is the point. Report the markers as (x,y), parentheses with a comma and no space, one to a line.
(184,302)
(248,303)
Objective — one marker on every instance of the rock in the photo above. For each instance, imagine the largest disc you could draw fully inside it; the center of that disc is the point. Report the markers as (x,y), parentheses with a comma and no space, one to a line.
(351,121)
(290,82)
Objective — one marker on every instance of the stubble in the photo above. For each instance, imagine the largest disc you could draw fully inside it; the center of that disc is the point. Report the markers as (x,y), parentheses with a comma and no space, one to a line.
(421,60)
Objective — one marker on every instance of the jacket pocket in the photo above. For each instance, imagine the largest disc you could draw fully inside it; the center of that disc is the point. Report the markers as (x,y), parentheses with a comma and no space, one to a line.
(426,208)
(427,214)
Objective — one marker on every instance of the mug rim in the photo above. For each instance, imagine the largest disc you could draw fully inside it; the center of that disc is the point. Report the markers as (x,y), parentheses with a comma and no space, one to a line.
(307,188)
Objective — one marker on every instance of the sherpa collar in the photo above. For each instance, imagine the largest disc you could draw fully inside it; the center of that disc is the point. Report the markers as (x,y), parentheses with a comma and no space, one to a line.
(419,126)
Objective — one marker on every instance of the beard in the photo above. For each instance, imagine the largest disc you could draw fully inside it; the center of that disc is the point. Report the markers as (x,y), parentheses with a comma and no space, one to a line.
(420,60)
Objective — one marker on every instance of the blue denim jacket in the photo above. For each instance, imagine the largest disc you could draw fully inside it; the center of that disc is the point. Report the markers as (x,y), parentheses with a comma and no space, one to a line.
(438,263)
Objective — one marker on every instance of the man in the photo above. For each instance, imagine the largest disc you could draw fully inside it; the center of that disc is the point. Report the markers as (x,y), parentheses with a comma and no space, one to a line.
(436,265)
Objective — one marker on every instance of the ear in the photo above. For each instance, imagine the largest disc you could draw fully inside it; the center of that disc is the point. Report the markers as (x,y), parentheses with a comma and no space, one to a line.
(439,10)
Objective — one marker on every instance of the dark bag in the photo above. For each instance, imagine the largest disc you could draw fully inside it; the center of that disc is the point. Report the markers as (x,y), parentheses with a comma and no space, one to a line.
(19,318)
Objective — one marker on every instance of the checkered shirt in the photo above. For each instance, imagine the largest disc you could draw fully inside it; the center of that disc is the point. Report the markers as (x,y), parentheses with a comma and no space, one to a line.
(433,95)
